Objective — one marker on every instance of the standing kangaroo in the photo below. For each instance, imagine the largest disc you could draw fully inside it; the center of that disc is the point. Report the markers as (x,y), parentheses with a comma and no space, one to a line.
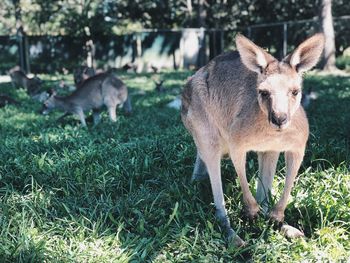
(95,92)
(249,101)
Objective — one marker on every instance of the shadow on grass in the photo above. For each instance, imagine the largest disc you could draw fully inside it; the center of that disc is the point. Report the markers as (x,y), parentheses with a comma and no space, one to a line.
(122,190)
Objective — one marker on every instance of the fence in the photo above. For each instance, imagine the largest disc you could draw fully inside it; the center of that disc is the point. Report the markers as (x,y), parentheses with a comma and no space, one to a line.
(294,32)
(149,49)
(156,49)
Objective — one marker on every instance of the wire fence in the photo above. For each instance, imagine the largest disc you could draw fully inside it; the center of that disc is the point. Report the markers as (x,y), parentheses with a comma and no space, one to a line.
(154,49)
(281,37)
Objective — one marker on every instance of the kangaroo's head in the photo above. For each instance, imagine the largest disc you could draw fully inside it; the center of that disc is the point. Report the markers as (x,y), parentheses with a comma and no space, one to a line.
(34,85)
(279,83)
(50,103)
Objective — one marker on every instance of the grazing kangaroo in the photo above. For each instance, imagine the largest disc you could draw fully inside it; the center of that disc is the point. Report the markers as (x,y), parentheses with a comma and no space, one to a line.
(20,79)
(249,101)
(95,92)
(83,73)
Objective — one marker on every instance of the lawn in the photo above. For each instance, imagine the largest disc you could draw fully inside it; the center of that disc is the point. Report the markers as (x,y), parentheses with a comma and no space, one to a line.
(121,192)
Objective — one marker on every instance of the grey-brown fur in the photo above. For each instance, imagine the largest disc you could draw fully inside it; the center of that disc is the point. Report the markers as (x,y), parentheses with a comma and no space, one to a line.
(20,79)
(248,101)
(98,91)
(82,73)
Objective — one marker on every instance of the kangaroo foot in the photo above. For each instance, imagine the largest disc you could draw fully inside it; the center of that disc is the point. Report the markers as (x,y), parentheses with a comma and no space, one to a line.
(291,232)
(230,234)
(234,239)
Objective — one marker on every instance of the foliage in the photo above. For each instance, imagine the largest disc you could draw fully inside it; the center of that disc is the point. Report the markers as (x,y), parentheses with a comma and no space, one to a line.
(96,18)
(343,62)
(104,16)
(122,193)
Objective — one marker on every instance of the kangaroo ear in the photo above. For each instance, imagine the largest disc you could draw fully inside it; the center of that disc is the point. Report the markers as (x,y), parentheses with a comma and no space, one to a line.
(307,54)
(52,92)
(252,56)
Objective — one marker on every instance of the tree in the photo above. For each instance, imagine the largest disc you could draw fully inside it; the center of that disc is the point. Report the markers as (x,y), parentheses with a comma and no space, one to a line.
(326,21)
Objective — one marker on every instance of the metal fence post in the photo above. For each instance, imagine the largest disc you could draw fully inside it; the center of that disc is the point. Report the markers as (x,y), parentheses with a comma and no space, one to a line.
(284,39)
(26,53)
(21,49)
(249,32)
(222,44)
(139,63)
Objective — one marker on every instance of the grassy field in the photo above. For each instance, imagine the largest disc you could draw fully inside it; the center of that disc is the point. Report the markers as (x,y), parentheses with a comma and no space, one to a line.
(121,192)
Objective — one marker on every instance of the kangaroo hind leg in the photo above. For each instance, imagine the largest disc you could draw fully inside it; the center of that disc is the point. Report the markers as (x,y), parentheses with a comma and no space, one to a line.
(267,169)
(209,159)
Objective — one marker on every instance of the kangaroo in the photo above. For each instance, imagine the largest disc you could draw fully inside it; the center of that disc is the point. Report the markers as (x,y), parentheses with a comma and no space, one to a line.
(159,85)
(20,79)
(82,73)
(249,101)
(95,92)
(5,100)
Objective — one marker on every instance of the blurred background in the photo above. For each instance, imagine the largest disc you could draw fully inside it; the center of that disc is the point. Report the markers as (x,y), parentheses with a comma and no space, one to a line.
(50,36)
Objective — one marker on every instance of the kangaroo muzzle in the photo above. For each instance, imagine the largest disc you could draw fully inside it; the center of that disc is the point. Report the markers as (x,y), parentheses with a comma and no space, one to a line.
(279,119)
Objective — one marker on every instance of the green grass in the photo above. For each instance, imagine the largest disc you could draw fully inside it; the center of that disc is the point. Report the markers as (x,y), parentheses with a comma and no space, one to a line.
(343,62)
(121,192)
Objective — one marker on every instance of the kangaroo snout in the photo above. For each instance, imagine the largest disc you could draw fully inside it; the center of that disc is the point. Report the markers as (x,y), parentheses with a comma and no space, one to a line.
(44,110)
(279,119)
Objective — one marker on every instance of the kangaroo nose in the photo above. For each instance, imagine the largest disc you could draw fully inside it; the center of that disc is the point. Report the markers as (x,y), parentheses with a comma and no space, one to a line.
(279,119)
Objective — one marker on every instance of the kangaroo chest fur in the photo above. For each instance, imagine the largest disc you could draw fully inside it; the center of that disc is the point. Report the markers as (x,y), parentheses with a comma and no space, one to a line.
(259,137)
(254,133)
(267,140)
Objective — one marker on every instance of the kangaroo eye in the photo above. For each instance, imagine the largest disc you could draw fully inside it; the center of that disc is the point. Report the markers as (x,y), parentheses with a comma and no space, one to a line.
(295,92)
(264,93)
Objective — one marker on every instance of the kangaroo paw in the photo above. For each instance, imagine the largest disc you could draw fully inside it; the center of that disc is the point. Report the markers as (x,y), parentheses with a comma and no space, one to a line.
(252,211)
(277,216)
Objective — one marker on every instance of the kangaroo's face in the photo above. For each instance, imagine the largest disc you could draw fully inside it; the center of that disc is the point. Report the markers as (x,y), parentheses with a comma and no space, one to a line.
(49,104)
(279,82)
(279,96)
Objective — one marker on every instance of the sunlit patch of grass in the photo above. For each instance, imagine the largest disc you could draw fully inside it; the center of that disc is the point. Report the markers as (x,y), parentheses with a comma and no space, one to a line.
(121,192)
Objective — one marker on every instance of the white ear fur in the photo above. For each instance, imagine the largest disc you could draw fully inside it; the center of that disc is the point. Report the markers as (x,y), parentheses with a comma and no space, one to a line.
(307,54)
(252,56)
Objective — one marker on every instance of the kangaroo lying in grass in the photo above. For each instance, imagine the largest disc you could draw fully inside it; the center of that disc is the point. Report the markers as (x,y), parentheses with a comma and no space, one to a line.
(95,92)
(249,101)
(20,79)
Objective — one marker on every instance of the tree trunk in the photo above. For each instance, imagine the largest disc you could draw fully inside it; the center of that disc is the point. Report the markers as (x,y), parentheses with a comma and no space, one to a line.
(202,15)
(189,7)
(326,20)
(21,38)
